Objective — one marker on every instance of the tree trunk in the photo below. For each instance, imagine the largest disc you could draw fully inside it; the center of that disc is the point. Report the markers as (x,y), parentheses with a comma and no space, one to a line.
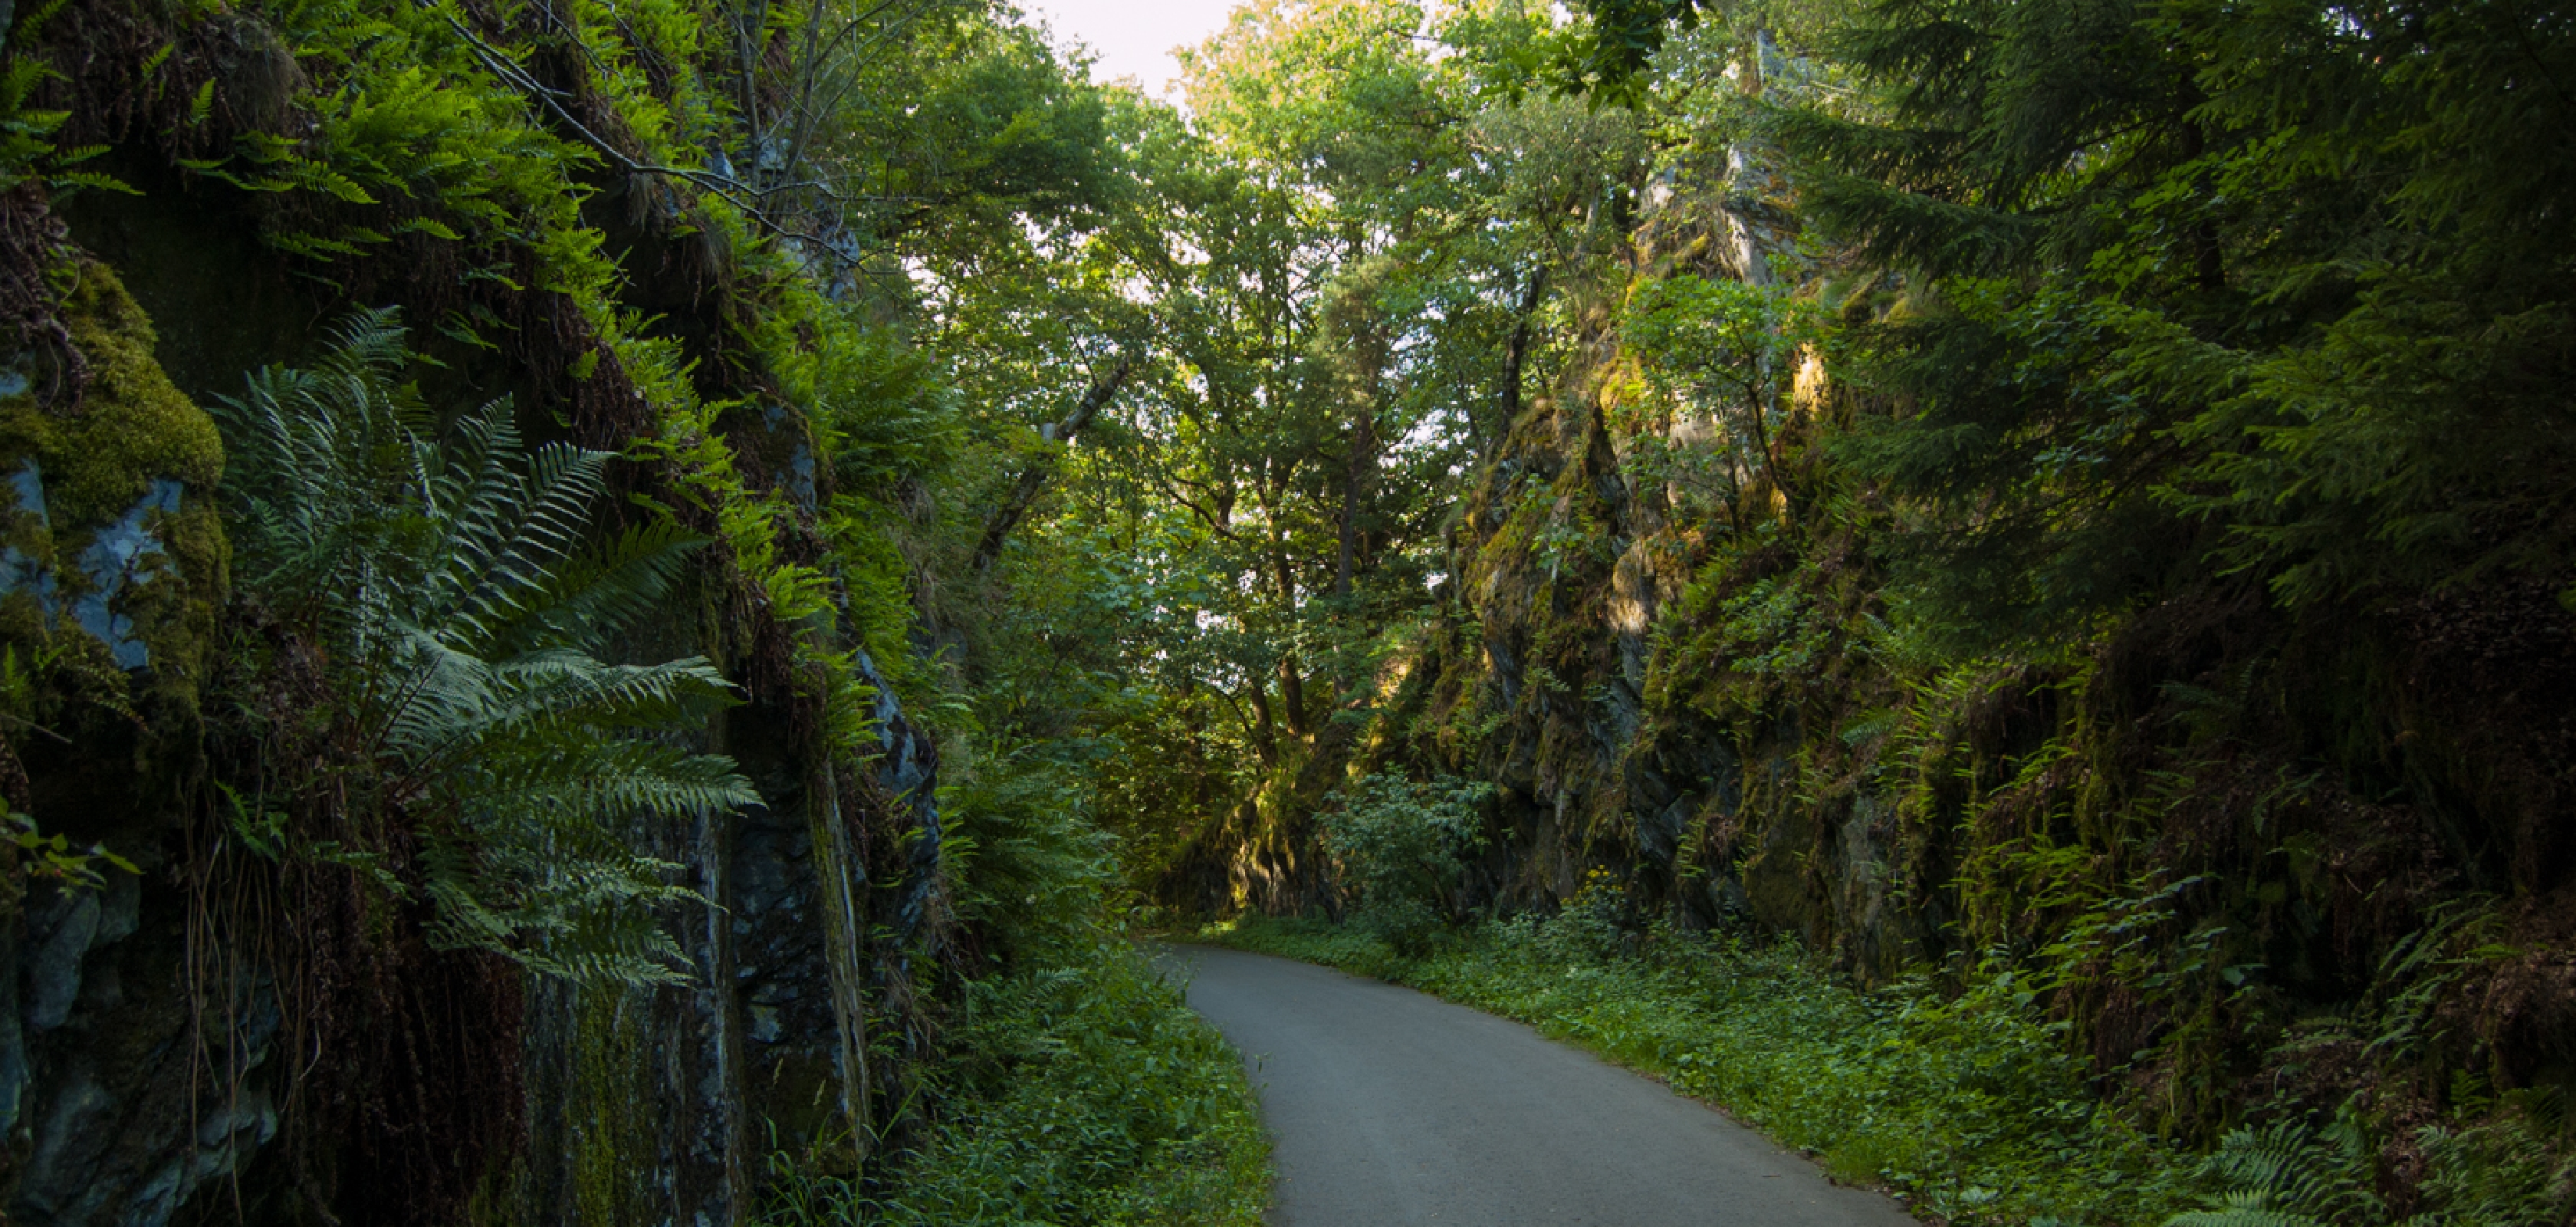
(1355,492)
(1292,696)
(1516,352)
(1033,478)
(1265,742)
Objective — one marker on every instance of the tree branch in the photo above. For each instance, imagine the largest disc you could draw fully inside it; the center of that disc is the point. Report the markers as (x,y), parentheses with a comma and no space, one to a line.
(1025,492)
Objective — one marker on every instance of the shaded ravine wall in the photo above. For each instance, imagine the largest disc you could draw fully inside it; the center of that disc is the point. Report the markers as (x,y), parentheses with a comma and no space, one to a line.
(216,1038)
(639,1105)
(1725,729)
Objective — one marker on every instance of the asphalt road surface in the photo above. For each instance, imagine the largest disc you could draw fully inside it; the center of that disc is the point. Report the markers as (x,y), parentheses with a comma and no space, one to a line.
(1389,1107)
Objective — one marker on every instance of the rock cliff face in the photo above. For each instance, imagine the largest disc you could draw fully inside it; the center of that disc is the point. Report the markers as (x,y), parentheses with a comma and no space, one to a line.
(115,582)
(195,1030)
(665,1105)
(136,1091)
(1730,729)
(1570,668)
(1715,712)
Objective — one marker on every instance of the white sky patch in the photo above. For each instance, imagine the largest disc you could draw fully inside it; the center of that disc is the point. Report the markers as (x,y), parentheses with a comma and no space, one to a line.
(1133,38)
(927,283)
(1436,430)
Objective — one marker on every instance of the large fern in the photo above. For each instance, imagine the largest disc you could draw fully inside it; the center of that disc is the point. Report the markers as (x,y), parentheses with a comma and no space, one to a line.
(464,624)
(2502,1173)
(2289,1175)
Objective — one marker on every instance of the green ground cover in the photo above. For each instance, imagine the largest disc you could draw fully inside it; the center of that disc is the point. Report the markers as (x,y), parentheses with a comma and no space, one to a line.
(1964,1108)
(1087,1092)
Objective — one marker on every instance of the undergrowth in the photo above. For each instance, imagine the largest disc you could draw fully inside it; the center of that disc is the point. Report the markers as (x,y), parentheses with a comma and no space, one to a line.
(1082,1093)
(1966,1109)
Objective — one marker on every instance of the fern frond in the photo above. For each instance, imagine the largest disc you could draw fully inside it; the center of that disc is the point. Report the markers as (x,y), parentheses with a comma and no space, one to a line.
(450,584)
(2241,1216)
(598,594)
(2300,1176)
(566,685)
(2499,1174)
(610,780)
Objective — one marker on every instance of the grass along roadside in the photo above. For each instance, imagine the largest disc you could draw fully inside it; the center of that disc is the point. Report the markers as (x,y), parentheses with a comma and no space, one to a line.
(1966,1109)
(1086,1092)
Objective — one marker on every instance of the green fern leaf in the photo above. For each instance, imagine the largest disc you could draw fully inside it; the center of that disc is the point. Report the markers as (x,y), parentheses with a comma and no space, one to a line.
(463,615)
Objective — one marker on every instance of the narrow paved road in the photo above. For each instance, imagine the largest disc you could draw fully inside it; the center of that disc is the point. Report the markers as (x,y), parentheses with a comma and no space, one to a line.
(1390,1107)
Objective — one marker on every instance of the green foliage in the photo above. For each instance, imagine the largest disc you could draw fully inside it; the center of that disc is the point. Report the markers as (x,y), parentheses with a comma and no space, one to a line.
(1083,1092)
(269,834)
(1401,847)
(1773,627)
(2289,1174)
(1725,353)
(25,131)
(2503,1173)
(1356,246)
(2188,291)
(1030,866)
(28,145)
(406,133)
(886,415)
(52,856)
(448,590)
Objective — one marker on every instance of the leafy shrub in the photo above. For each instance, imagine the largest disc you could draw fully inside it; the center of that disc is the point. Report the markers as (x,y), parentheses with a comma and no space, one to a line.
(1401,847)
(460,626)
(1030,868)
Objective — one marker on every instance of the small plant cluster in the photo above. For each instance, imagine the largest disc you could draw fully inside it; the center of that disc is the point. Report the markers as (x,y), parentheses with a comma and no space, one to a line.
(1400,846)
(1086,1092)
(2294,1174)
(1966,1106)
(52,856)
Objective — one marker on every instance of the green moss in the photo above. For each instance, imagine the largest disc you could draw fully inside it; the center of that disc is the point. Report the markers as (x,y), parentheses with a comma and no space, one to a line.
(134,454)
(134,425)
(611,1148)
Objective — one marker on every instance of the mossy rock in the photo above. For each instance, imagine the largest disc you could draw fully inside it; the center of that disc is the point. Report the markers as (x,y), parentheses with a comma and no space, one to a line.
(113,564)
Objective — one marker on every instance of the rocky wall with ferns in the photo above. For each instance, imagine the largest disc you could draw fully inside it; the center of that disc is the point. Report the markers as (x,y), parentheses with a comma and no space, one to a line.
(2259,858)
(424,813)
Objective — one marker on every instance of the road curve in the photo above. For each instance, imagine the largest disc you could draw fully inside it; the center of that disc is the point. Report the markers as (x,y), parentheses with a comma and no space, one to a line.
(1389,1107)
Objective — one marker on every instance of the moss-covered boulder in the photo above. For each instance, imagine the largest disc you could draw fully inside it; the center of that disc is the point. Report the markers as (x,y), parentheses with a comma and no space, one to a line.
(112,567)
(112,585)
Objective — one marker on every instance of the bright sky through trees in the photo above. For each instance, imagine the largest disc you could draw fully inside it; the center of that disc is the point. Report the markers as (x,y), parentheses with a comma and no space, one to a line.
(1133,38)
